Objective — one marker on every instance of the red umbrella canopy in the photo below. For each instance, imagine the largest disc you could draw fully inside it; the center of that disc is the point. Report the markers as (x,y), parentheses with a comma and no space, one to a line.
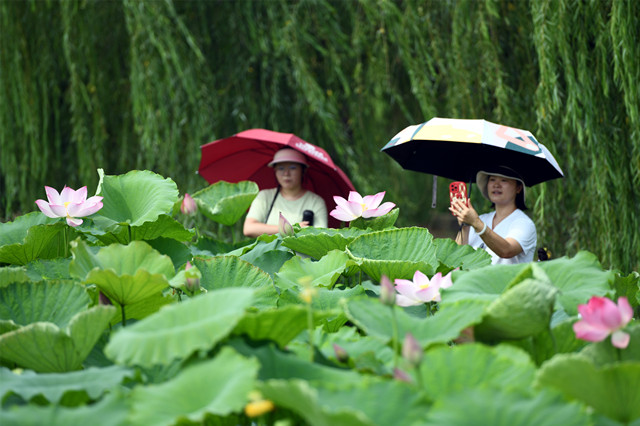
(245,155)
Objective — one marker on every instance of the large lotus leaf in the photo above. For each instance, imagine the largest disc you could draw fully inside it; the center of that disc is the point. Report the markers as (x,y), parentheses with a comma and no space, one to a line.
(486,283)
(559,339)
(13,274)
(324,300)
(611,390)
(523,310)
(505,408)
(376,223)
(265,247)
(280,325)
(142,308)
(52,386)
(219,386)
(54,269)
(112,410)
(578,279)
(316,242)
(603,353)
(627,287)
(446,370)
(280,365)
(131,273)
(178,330)
(231,271)
(225,202)
(179,253)
(108,231)
(58,303)
(44,347)
(364,352)
(136,197)
(369,402)
(83,259)
(324,272)
(376,320)
(452,255)
(396,253)
(29,237)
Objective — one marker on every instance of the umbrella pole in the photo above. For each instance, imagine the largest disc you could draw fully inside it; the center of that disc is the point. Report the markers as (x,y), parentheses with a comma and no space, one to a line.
(434,191)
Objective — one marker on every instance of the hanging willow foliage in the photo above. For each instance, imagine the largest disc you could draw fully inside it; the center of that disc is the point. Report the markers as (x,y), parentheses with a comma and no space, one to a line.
(132,84)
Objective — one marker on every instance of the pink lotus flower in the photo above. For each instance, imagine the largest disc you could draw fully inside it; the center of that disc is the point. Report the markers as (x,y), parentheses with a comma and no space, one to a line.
(188,206)
(69,204)
(421,289)
(601,317)
(357,206)
(387,292)
(411,350)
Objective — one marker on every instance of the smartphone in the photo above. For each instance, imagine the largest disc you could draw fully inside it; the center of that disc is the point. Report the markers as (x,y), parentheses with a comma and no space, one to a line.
(458,191)
(307,216)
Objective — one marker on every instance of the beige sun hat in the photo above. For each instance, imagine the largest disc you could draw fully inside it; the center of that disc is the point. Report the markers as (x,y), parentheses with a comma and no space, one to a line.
(482,179)
(288,155)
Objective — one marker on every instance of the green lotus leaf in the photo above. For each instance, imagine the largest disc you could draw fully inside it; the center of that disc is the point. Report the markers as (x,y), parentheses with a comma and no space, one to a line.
(83,259)
(611,390)
(627,287)
(603,353)
(54,302)
(176,250)
(324,272)
(112,410)
(365,353)
(29,237)
(225,202)
(46,348)
(523,310)
(219,386)
(376,223)
(125,274)
(142,308)
(180,329)
(316,242)
(451,256)
(136,197)
(231,271)
(324,300)
(277,364)
(13,274)
(266,247)
(54,269)
(369,402)
(53,386)
(280,325)
(446,370)
(505,408)
(377,320)
(578,278)
(108,231)
(486,283)
(396,253)
(560,339)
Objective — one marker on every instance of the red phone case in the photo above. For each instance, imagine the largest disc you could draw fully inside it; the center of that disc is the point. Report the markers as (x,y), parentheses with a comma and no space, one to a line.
(458,190)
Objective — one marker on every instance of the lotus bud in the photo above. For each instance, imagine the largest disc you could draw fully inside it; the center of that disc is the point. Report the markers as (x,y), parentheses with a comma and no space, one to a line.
(341,354)
(401,375)
(284,227)
(193,281)
(411,350)
(188,206)
(258,408)
(103,299)
(387,291)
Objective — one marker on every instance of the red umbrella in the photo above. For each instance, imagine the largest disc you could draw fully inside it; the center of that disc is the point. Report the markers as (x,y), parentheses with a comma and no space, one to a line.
(245,155)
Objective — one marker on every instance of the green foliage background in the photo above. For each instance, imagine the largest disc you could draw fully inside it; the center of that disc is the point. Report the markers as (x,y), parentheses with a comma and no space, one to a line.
(141,85)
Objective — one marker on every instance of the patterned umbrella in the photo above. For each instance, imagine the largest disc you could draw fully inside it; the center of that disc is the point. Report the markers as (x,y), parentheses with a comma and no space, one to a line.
(458,149)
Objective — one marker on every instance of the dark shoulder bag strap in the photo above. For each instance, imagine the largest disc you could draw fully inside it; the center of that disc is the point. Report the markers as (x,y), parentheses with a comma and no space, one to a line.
(272,203)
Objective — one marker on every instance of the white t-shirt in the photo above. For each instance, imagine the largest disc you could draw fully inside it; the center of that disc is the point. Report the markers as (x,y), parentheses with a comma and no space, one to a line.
(291,210)
(517,226)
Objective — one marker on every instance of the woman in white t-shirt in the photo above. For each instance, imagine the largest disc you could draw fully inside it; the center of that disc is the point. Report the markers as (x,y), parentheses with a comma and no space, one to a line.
(506,233)
(289,198)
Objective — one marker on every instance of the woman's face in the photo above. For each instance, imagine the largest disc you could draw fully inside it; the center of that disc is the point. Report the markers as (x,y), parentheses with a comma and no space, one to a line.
(502,190)
(289,174)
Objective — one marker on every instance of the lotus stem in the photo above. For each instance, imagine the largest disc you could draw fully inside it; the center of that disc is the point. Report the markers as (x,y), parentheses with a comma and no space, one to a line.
(124,318)
(310,327)
(394,336)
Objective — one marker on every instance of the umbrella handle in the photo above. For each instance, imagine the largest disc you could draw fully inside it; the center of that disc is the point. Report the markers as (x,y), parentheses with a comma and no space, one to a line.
(434,191)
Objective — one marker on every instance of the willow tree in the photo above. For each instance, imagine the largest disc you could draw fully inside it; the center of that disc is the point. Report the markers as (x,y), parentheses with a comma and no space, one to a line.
(142,84)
